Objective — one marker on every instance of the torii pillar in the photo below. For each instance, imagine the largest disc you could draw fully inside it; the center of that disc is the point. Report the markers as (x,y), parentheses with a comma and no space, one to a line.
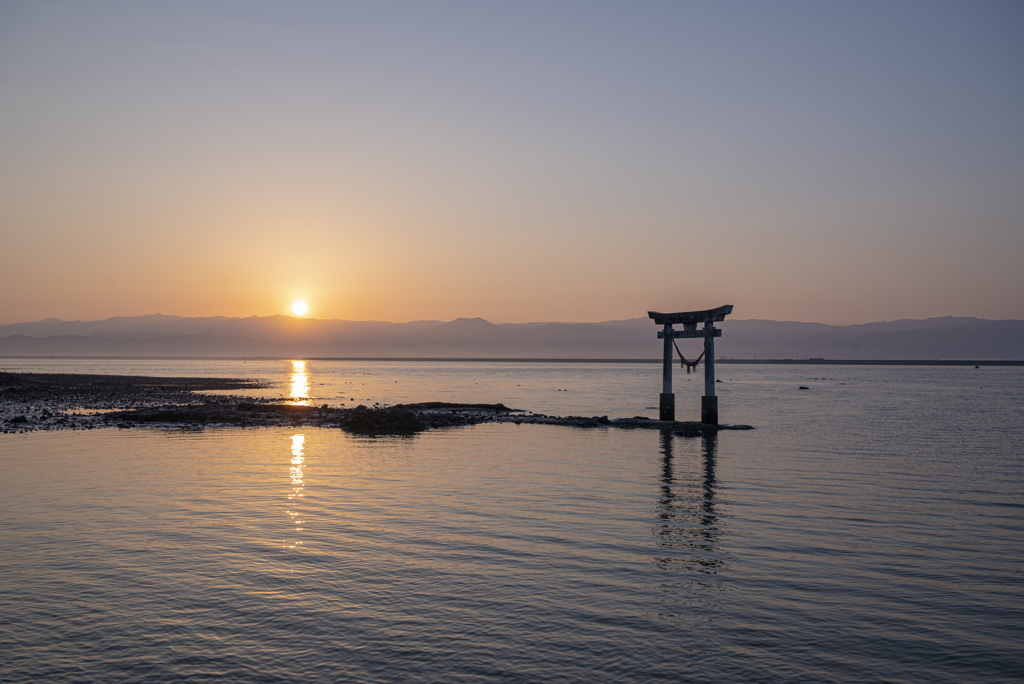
(689,321)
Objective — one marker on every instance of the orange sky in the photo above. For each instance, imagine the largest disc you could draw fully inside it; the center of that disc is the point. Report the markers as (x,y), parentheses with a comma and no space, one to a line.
(528,162)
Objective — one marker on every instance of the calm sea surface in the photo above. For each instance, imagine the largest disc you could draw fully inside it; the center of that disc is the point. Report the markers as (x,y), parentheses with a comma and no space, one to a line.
(870,529)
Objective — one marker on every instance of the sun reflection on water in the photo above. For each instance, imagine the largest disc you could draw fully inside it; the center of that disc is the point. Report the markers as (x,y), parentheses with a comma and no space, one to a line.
(300,384)
(295,471)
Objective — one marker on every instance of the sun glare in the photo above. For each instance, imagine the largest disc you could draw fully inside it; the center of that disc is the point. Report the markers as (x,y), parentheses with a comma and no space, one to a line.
(299,308)
(300,384)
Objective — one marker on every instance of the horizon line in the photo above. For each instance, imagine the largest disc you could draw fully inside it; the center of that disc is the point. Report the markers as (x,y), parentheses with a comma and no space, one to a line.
(481,318)
(474,359)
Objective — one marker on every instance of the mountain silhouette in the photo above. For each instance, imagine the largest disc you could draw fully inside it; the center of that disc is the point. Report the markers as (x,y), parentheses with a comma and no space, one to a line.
(283,336)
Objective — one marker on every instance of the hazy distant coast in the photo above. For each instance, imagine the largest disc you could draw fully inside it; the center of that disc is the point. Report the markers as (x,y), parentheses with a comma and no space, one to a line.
(947,338)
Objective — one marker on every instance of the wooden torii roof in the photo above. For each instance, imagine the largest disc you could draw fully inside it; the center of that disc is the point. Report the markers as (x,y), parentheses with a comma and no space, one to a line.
(691,317)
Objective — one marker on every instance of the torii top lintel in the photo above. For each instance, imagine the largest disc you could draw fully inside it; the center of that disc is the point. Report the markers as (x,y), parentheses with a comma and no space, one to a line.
(691,317)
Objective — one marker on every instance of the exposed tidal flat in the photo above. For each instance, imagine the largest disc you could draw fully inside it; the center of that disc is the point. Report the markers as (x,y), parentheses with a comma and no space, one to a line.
(61,401)
(869,529)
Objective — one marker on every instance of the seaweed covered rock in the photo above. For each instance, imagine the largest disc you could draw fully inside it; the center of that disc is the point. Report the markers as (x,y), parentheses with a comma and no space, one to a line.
(381,421)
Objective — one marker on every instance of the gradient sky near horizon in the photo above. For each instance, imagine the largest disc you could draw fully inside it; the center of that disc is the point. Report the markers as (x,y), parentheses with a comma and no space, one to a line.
(520,161)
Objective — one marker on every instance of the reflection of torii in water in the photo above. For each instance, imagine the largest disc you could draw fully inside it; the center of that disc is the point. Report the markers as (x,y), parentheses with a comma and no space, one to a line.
(689,365)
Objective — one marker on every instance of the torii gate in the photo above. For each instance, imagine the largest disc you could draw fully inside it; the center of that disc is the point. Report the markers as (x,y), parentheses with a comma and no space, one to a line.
(689,321)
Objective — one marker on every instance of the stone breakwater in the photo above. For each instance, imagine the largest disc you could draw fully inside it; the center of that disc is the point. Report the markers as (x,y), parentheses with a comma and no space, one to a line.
(40,401)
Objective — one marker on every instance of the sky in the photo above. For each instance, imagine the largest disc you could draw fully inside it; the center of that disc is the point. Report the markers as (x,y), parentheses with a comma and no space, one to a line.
(519,161)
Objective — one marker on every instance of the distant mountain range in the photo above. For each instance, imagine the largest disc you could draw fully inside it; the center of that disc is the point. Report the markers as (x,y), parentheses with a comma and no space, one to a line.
(284,336)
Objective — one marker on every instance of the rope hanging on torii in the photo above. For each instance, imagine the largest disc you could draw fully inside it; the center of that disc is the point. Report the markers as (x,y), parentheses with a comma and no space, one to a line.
(690,366)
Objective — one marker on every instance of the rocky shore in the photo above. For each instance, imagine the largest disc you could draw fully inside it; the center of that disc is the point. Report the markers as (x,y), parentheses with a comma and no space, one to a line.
(43,401)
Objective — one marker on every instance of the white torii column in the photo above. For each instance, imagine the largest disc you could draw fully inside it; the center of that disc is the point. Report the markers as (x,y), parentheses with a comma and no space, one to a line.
(667,401)
(709,402)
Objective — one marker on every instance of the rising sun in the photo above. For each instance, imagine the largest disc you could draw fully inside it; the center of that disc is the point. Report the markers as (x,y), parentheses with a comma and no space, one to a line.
(299,308)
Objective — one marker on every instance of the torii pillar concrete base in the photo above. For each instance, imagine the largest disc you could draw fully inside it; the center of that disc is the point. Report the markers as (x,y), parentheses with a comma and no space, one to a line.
(667,407)
(708,410)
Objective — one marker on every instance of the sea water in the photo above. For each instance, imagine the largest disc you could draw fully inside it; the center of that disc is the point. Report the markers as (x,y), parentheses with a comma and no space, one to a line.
(868,529)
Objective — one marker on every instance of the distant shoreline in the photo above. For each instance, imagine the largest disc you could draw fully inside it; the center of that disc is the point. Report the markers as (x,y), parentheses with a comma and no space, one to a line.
(796,362)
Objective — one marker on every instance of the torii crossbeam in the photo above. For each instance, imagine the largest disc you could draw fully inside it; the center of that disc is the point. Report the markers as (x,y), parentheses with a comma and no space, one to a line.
(689,321)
